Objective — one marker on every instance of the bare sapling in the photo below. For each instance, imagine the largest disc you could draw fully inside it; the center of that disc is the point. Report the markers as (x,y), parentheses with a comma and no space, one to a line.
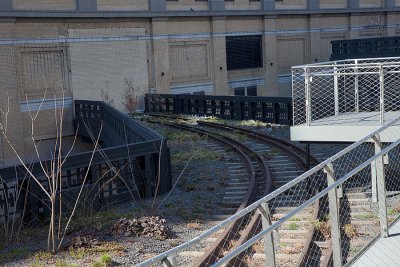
(130,96)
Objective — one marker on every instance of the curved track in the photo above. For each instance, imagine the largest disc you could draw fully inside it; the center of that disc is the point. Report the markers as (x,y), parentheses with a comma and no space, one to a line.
(298,155)
(262,182)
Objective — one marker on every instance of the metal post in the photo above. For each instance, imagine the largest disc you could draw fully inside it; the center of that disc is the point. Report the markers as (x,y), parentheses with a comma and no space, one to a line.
(336,90)
(373,182)
(170,262)
(268,239)
(382,95)
(149,175)
(334,214)
(356,95)
(308,97)
(381,188)
(308,158)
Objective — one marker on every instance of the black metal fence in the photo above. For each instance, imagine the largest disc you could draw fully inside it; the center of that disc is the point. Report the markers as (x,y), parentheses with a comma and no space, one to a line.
(133,162)
(366,48)
(267,109)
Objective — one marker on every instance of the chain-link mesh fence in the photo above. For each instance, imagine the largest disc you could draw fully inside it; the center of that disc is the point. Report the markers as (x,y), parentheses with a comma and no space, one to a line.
(325,90)
(345,202)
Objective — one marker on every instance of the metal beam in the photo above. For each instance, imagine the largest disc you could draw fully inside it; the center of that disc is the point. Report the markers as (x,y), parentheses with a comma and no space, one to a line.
(269,248)
(199,13)
(381,188)
(334,205)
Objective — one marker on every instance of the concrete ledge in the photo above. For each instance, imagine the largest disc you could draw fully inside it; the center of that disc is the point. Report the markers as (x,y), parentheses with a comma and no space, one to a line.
(149,14)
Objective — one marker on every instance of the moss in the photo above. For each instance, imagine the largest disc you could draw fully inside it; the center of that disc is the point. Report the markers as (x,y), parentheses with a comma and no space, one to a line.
(106,259)
(293,226)
(14,253)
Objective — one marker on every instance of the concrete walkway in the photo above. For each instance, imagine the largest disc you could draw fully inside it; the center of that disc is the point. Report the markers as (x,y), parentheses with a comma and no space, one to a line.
(385,252)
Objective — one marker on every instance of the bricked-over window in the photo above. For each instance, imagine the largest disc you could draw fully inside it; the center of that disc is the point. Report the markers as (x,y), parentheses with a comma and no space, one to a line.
(42,71)
(244,52)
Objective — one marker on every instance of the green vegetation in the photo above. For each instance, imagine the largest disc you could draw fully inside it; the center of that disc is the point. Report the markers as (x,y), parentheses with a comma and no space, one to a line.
(105,259)
(367,216)
(391,211)
(61,263)
(198,153)
(293,226)
(179,136)
(77,253)
(14,253)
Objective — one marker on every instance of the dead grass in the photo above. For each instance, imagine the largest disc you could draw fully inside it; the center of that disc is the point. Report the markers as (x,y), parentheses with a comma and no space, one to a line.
(323,227)
(350,230)
(258,247)
(194,225)
(295,249)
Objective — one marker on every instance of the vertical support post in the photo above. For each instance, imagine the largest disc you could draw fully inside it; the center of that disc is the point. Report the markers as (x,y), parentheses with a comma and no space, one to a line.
(373,183)
(308,97)
(336,90)
(356,94)
(381,188)
(149,174)
(170,262)
(308,160)
(268,238)
(382,95)
(334,214)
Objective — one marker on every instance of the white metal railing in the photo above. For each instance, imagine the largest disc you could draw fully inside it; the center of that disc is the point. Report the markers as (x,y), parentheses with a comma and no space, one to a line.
(362,167)
(331,88)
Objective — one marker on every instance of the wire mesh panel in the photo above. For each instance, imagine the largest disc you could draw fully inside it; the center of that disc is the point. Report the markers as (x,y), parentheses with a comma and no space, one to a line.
(332,89)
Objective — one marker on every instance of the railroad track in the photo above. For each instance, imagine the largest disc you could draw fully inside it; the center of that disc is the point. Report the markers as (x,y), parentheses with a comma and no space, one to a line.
(285,162)
(298,238)
(240,193)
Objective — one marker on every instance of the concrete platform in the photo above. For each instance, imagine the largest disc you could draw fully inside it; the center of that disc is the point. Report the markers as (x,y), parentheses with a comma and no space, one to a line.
(346,127)
(385,252)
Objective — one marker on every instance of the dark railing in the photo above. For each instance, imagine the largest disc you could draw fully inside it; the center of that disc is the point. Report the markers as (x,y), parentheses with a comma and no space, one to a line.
(268,109)
(366,48)
(133,162)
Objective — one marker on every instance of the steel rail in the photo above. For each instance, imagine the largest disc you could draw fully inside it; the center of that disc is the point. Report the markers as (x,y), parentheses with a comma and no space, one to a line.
(295,152)
(213,253)
(171,252)
(322,193)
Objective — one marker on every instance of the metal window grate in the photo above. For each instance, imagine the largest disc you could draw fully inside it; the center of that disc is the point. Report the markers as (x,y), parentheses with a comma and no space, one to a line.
(244,52)
(252,91)
(240,91)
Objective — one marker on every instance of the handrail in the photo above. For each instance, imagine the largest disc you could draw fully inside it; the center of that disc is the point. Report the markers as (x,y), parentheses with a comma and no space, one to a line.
(325,64)
(277,192)
(307,203)
(122,139)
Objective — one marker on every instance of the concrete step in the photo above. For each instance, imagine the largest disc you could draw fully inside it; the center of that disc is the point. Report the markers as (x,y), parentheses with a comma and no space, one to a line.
(284,233)
(323,244)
